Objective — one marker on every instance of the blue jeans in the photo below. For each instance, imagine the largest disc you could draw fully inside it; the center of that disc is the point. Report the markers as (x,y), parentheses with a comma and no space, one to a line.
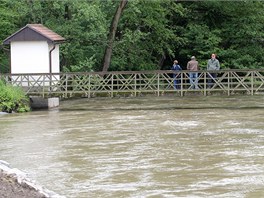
(176,81)
(193,80)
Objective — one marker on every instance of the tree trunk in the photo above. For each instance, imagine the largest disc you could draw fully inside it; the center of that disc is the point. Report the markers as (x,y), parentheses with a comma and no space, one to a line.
(111,35)
(161,61)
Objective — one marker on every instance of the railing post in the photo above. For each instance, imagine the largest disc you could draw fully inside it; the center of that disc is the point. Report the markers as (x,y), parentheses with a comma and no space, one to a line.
(112,85)
(182,84)
(252,83)
(43,87)
(66,86)
(89,86)
(205,87)
(158,85)
(228,83)
(135,85)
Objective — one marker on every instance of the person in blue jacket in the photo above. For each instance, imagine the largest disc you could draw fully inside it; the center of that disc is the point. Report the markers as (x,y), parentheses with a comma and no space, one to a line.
(176,76)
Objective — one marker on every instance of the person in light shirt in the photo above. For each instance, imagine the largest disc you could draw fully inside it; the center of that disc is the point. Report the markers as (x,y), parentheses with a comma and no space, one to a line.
(212,65)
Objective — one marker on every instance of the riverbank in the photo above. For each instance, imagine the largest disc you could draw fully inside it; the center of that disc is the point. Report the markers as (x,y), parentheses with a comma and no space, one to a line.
(15,184)
(9,187)
(13,99)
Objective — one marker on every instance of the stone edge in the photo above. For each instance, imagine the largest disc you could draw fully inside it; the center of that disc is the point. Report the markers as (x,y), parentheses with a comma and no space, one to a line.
(22,180)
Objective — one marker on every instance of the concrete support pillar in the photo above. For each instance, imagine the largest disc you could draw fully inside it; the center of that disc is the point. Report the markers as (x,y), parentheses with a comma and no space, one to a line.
(43,103)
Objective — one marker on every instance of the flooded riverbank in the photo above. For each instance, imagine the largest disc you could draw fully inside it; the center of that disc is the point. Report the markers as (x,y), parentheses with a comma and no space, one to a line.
(142,147)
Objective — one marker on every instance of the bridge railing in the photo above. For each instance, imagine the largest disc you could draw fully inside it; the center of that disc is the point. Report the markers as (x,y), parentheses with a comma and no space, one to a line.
(133,83)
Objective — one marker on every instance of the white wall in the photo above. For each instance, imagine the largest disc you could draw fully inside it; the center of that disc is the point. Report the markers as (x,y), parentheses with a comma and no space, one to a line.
(33,57)
(29,57)
(55,57)
(55,64)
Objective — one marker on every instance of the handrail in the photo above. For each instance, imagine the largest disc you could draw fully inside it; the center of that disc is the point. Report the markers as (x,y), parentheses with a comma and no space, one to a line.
(138,72)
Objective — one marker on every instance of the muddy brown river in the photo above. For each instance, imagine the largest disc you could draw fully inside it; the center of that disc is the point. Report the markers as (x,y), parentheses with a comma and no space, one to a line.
(150,147)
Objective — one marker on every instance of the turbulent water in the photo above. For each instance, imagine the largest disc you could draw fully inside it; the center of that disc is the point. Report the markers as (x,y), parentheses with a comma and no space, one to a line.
(142,147)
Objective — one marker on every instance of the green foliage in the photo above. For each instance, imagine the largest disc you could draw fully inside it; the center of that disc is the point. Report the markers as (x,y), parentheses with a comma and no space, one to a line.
(8,19)
(150,34)
(13,99)
(145,35)
(86,31)
(86,65)
(201,40)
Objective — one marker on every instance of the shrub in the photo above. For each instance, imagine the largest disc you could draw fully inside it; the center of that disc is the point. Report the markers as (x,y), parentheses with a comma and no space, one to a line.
(13,99)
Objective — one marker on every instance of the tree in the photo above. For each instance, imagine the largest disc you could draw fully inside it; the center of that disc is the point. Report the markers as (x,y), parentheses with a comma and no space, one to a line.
(146,35)
(112,33)
(149,35)
(8,21)
(232,29)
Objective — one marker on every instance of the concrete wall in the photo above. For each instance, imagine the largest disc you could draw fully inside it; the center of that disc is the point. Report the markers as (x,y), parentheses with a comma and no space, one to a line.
(44,103)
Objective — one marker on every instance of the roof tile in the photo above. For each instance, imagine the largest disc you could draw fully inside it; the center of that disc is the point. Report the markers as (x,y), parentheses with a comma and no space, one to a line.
(46,32)
(40,32)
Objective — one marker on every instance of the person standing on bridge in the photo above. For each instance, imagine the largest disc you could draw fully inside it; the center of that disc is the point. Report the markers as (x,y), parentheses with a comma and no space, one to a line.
(193,67)
(176,79)
(212,65)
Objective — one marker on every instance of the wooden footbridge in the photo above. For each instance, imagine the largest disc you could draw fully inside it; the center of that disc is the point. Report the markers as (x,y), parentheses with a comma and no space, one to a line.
(137,83)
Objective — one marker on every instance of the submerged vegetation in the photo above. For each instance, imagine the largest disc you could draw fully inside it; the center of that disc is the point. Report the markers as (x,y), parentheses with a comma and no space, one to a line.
(13,99)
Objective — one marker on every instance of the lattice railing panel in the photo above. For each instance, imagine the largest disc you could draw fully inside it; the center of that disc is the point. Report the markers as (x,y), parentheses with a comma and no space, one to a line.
(157,82)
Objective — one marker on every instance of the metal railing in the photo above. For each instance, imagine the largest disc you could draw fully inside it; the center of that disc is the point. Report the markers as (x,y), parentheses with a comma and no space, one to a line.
(134,83)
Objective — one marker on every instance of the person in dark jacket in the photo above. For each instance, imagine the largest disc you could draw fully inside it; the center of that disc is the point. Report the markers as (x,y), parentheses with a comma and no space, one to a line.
(176,76)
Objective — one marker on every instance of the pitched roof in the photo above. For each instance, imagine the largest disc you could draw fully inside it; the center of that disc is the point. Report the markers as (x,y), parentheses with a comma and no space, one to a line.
(34,32)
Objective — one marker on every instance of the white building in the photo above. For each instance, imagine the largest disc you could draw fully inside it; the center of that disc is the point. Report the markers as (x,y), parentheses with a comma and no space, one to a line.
(34,49)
